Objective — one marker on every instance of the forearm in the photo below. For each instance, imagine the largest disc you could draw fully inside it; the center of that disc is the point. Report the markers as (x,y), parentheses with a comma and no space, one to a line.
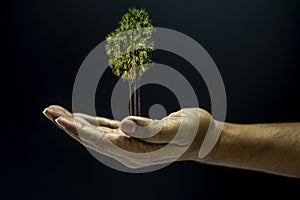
(273,148)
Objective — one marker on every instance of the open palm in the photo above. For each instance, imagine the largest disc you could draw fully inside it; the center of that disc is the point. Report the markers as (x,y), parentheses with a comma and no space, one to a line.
(136,134)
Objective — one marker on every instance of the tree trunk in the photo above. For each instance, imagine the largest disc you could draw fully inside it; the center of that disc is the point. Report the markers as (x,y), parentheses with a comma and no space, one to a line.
(130,98)
(134,99)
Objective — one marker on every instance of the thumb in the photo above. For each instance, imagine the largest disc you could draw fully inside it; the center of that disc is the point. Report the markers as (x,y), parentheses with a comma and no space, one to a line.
(149,130)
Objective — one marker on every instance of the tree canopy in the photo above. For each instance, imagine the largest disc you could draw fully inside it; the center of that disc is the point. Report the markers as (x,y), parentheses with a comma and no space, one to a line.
(130,45)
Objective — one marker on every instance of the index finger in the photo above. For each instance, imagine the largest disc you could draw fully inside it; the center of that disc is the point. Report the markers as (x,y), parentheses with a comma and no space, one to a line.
(99,121)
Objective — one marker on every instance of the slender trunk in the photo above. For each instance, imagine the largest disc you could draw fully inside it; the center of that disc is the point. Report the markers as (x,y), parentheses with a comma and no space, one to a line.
(130,99)
(137,99)
(138,106)
(134,98)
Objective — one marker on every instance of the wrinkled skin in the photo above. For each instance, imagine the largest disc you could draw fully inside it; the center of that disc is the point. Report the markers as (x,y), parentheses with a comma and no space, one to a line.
(135,134)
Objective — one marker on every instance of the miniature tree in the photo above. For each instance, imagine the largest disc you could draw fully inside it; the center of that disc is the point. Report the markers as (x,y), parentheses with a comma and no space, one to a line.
(129,48)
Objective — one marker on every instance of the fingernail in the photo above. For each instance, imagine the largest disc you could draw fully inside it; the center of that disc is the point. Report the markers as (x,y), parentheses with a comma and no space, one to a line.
(60,125)
(128,126)
(45,112)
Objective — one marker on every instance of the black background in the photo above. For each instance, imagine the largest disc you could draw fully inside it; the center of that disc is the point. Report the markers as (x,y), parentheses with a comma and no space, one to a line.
(255,45)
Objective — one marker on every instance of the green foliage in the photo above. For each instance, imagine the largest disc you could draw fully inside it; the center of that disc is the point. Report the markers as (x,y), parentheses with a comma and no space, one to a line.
(130,45)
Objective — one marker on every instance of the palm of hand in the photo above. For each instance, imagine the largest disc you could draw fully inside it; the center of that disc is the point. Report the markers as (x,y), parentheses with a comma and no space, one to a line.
(180,132)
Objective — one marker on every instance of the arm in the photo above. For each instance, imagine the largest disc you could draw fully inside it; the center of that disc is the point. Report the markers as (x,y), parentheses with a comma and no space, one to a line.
(273,148)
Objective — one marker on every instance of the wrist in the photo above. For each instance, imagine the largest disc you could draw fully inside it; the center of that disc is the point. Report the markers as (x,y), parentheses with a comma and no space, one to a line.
(206,140)
(220,134)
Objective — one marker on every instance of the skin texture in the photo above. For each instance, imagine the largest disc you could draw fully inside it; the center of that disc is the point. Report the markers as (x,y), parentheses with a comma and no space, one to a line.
(272,148)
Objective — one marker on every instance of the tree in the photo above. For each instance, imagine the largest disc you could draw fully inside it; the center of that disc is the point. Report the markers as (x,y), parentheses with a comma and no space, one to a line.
(129,48)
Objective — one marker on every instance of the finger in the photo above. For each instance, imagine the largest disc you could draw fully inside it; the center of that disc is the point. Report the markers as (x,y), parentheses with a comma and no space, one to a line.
(99,121)
(97,140)
(70,131)
(101,128)
(77,129)
(149,130)
(84,131)
(54,111)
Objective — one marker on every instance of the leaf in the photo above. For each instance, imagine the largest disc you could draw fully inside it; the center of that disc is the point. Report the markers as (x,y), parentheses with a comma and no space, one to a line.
(129,49)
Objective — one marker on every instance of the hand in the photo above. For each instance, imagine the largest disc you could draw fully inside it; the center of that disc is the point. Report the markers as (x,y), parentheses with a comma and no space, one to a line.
(181,130)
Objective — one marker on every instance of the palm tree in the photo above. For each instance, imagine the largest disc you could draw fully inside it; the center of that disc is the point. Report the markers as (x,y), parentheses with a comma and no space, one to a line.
(129,48)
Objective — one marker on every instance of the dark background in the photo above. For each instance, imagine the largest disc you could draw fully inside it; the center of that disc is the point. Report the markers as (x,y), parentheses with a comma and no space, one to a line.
(255,45)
